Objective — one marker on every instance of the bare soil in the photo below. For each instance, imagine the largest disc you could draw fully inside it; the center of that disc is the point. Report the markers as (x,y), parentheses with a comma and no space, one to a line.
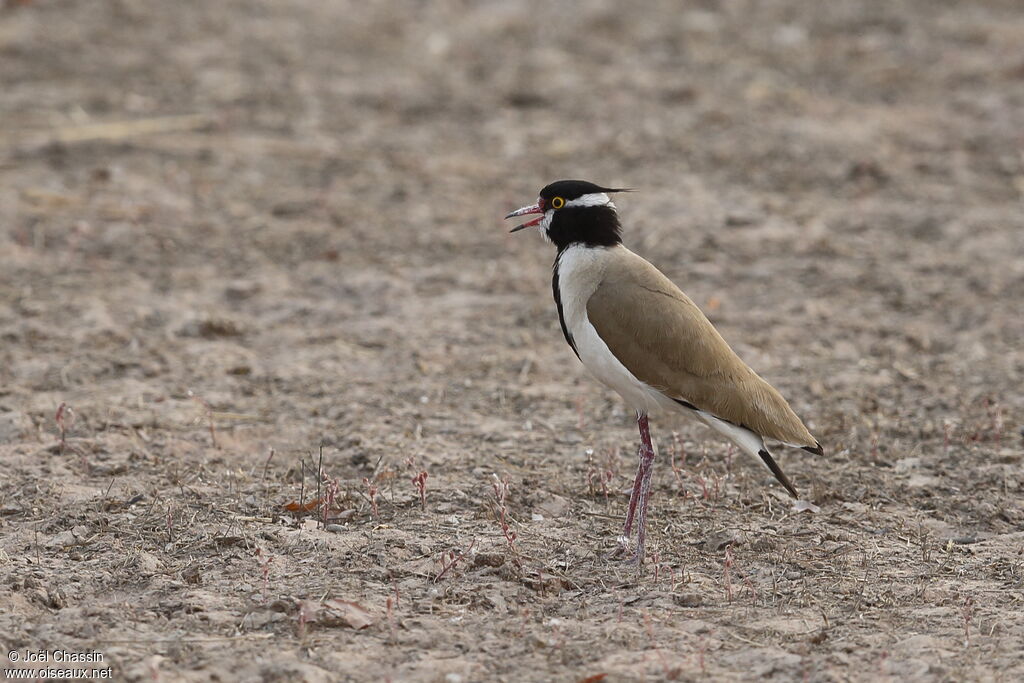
(232,232)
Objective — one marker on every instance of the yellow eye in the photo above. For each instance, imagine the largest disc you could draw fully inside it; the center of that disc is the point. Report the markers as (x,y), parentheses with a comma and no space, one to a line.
(557,203)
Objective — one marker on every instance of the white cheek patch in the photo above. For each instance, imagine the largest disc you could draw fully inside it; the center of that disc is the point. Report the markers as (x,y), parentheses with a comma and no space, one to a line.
(592,199)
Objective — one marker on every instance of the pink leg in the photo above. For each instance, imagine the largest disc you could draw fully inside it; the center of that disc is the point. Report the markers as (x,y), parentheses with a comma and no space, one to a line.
(634,498)
(641,489)
(647,465)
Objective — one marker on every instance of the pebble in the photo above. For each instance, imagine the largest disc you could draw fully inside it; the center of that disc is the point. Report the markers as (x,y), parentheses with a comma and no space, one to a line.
(14,426)
(64,538)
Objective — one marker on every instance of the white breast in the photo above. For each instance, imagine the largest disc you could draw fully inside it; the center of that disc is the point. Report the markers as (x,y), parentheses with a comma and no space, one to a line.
(580,270)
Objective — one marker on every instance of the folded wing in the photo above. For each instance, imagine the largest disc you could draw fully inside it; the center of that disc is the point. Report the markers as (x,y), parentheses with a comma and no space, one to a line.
(681,354)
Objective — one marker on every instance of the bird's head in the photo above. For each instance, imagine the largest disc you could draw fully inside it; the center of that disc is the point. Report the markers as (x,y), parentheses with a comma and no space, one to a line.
(574,212)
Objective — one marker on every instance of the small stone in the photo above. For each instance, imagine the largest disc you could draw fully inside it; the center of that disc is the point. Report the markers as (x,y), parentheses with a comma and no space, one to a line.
(63,539)
(239,290)
(554,506)
(14,426)
(39,595)
(488,560)
(210,327)
(736,219)
(281,605)
(147,563)
(192,575)
(719,540)
(805,506)
(254,620)
(296,206)
(57,599)
(688,599)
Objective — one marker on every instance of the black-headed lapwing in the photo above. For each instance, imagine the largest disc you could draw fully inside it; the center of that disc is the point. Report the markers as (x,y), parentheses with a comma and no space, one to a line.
(640,335)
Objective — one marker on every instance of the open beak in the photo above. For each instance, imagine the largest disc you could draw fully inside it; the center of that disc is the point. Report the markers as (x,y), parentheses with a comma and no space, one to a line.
(526,210)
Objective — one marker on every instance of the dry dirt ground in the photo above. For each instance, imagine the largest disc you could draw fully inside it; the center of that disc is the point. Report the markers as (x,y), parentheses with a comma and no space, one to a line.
(233,231)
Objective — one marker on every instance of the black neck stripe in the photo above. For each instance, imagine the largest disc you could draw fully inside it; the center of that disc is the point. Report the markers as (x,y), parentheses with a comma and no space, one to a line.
(558,304)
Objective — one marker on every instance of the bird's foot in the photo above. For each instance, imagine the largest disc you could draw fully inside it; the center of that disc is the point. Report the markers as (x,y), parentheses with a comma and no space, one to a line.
(622,552)
(621,548)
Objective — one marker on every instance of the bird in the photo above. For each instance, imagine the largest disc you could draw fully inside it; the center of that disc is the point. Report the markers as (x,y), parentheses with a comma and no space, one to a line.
(639,334)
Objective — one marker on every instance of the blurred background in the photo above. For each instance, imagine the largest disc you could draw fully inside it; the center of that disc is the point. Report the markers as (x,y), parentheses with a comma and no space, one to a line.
(303,192)
(858,165)
(292,210)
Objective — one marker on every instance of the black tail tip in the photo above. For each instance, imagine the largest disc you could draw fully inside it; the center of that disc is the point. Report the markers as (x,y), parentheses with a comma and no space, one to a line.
(816,449)
(780,476)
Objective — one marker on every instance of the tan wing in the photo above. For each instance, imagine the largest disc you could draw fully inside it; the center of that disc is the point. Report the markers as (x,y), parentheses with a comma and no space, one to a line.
(661,337)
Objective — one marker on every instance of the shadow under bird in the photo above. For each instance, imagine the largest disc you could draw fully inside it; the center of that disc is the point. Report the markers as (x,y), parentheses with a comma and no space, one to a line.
(639,334)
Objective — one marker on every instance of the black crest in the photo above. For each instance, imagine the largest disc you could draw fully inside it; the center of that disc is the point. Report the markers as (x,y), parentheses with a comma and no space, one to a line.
(574,189)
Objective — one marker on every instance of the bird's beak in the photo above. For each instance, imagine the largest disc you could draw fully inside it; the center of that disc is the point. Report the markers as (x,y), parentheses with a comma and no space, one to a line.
(526,210)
